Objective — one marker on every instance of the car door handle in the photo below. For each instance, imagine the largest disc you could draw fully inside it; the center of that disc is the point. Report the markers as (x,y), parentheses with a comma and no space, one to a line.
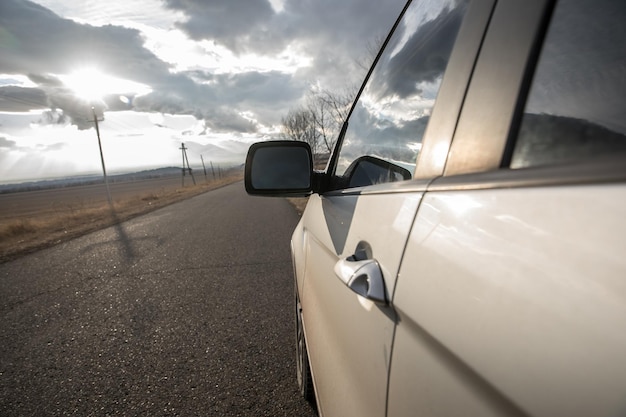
(363,277)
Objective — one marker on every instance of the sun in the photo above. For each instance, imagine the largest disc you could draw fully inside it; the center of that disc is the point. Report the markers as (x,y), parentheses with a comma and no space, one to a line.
(92,85)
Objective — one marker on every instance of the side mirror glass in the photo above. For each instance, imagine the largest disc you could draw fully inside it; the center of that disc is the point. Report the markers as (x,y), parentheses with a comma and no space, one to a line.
(368,170)
(279,168)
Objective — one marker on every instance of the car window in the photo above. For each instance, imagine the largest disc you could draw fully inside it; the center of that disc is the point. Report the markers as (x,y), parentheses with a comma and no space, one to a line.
(577,100)
(392,113)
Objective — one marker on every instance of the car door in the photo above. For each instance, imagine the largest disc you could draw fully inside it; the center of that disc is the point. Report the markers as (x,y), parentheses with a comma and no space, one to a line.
(511,296)
(364,222)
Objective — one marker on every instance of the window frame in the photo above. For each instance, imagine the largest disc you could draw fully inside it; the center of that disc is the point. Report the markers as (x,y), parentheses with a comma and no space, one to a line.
(497,92)
(473,79)
(526,92)
(483,142)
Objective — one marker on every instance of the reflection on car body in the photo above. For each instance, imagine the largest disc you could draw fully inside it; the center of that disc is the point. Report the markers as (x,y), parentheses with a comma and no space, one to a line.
(462,253)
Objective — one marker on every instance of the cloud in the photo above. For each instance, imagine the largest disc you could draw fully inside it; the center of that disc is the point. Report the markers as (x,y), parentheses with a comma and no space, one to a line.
(37,41)
(20,99)
(219,99)
(64,106)
(56,146)
(44,45)
(6,143)
(50,45)
(237,24)
(422,58)
(334,34)
(320,27)
(225,120)
(46,80)
(53,117)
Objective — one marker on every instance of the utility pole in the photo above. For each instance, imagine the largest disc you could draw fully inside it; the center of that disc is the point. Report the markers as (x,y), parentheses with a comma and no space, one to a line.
(203,167)
(213,170)
(186,161)
(104,170)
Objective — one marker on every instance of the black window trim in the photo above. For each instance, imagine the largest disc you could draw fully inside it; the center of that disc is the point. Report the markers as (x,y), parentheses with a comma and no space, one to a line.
(529,73)
(334,158)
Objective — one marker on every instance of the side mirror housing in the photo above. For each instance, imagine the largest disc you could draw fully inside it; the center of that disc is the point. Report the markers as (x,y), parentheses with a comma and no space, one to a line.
(279,168)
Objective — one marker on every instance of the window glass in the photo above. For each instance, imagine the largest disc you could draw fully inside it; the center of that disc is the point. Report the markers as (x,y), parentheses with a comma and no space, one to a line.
(391,115)
(576,109)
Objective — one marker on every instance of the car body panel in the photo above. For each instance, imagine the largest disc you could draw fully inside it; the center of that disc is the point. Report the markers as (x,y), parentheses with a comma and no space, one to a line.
(506,292)
(349,337)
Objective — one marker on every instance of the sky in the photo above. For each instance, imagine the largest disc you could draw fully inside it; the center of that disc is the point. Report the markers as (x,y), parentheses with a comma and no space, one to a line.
(216,75)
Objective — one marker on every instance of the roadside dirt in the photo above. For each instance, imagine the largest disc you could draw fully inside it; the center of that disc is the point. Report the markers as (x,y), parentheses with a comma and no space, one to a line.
(21,234)
(299,203)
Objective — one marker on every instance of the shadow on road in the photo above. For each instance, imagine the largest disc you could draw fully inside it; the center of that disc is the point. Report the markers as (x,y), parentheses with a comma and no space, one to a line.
(121,241)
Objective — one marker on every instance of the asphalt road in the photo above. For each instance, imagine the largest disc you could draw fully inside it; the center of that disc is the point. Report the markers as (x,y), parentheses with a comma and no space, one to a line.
(185,311)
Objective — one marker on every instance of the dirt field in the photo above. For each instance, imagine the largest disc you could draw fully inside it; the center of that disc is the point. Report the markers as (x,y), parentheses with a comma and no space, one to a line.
(72,198)
(33,220)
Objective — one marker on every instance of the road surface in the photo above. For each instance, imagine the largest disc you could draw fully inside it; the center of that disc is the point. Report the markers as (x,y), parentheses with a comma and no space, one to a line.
(185,311)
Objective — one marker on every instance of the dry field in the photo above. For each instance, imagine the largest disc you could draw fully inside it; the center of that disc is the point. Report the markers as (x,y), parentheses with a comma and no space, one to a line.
(30,221)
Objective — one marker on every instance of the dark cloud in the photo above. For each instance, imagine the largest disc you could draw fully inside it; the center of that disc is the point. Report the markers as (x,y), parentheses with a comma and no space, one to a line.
(321,26)
(329,25)
(14,98)
(335,34)
(371,129)
(257,88)
(338,35)
(225,120)
(236,24)
(220,99)
(37,42)
(423,58)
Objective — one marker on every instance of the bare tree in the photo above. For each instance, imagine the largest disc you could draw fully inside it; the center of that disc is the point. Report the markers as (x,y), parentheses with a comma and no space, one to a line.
(371,50)
(331,110)
(300,124)
(320,122)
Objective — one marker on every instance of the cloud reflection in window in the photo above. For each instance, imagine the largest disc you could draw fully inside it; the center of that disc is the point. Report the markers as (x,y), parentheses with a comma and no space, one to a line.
(391,116)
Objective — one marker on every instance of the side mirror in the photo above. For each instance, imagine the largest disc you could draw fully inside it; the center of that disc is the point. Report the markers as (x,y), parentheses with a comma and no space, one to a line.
(279,168)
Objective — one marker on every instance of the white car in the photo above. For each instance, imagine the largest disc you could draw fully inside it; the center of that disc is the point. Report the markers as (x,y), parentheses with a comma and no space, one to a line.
(464,251)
